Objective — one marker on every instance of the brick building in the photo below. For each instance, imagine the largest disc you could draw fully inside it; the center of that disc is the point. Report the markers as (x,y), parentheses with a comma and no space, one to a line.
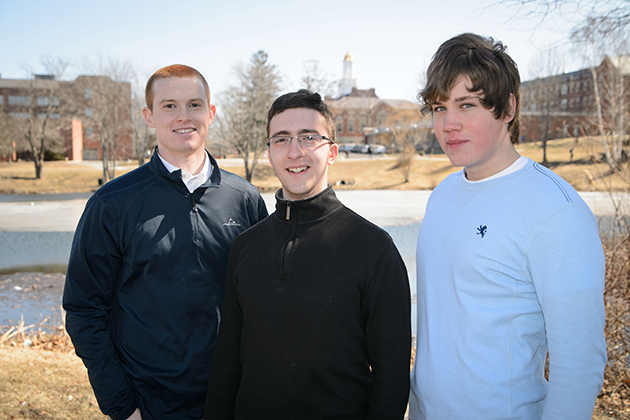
(565,105)
(78,114)
(361,117)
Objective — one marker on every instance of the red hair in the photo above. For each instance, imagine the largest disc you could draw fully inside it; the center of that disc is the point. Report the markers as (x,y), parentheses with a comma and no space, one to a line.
(174,70)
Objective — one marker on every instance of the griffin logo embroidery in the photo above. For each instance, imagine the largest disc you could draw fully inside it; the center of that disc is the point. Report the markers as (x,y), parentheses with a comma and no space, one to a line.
(482,230)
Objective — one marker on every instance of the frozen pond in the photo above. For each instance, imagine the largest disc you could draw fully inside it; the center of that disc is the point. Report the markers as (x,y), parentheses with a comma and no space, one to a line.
(36,234)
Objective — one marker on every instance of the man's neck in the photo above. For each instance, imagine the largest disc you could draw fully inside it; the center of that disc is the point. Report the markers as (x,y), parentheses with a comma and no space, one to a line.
(192,164)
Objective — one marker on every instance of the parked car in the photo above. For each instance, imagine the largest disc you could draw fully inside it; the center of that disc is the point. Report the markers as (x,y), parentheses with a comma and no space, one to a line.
(378,149)
(346,147)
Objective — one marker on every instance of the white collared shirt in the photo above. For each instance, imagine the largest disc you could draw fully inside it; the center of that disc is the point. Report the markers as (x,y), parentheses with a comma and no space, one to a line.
(192,182)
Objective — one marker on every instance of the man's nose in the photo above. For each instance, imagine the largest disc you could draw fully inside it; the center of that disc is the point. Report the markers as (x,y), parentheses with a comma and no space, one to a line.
(183,114)
(295,147)
(451,122)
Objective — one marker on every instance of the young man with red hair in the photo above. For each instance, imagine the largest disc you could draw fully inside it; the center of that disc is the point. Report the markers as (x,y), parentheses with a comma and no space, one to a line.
(146,274)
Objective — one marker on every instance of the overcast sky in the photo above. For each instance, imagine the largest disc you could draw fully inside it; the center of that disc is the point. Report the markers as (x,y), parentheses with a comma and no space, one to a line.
(392,41)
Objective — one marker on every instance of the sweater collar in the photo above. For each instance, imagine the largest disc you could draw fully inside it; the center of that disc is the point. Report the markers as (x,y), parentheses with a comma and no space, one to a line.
(309,209)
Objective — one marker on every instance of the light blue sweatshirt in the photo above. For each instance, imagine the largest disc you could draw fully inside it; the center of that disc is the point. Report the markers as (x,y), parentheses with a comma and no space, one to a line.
(508,269)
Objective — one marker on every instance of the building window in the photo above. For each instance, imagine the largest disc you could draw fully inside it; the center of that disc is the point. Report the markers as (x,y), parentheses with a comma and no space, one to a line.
(20,114)
(52,115)
(339,125)
(571,103)
(565,89)
(350,125)
(1,99)
(563,104)
(382,118)
(577,102)
(45,101)
(576,130)
(89,132)
(19,100)
(89,113)
(88,93)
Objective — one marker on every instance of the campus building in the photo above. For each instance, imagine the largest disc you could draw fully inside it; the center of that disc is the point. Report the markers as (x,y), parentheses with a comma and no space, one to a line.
(566,105)
(80,116)
(361,117)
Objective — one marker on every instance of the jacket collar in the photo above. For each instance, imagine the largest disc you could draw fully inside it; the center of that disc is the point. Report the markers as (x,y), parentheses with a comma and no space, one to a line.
(156,165)
(307,210)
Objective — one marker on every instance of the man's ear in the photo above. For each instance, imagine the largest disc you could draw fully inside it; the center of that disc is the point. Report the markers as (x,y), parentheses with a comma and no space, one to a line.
(512,109)
(213,112)
(148,116)
(334,150)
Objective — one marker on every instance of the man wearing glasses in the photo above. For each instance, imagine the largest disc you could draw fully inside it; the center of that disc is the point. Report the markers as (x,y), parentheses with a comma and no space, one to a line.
(316,316)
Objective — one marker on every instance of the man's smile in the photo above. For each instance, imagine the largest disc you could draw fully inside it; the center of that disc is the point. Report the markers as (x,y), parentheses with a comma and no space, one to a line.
(184,130)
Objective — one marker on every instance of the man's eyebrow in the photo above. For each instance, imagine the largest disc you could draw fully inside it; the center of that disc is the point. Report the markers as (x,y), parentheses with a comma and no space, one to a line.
(287,133)
(467,98)
(175,100)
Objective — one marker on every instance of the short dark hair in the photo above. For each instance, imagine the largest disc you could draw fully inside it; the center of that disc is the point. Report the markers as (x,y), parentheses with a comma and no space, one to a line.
(303,98)
(488,66)
(174,70)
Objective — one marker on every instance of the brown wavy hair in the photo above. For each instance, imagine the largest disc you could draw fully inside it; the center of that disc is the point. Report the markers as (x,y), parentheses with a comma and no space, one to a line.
(488,66)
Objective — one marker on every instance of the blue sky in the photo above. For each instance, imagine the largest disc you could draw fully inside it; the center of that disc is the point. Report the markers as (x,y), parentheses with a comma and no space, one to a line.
(392,41)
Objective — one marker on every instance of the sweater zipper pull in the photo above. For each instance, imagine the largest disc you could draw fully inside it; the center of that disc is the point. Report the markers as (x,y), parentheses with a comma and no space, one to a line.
(288,211)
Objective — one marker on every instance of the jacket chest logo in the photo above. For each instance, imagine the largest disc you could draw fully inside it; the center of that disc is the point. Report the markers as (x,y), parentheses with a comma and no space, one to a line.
(231,222)
(482,230)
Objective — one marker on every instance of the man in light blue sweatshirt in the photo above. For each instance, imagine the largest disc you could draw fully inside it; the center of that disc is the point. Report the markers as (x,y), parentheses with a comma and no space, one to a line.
(510,264)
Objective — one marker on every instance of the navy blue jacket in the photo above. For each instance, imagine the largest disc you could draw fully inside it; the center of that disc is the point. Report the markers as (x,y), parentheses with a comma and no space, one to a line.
(145,285)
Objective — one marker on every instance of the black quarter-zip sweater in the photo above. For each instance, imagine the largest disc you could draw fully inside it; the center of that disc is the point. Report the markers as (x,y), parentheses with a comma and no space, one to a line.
(316,319)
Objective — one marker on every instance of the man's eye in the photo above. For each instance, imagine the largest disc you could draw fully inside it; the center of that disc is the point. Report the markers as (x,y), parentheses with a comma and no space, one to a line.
(466,106)
(280,140)
(438,108)
(169,106)
(195,105)
(308,137)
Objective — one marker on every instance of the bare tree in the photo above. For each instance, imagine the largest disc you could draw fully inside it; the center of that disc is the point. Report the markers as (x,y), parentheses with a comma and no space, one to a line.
(609,88)
(608,15)
(35,116)
(103,98)
(406,131)
(242,118)
(316,79)
(541,98)
(144,138)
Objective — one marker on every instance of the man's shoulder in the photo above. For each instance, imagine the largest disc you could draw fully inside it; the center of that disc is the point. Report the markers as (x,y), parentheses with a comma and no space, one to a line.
(130,184)
(237,183)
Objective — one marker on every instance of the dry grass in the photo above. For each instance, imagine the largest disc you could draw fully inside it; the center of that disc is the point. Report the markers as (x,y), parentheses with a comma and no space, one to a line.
(40,384)
(584,172)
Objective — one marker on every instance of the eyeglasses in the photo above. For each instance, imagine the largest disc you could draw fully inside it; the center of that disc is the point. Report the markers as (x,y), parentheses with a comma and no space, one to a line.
(306,140)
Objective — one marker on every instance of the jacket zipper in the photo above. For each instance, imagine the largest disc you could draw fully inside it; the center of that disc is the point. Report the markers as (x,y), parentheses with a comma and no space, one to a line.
(289,246)
(195,219)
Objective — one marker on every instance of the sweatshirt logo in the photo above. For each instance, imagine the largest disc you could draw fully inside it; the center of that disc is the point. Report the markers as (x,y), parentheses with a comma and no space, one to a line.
(482,230)
(231,222)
